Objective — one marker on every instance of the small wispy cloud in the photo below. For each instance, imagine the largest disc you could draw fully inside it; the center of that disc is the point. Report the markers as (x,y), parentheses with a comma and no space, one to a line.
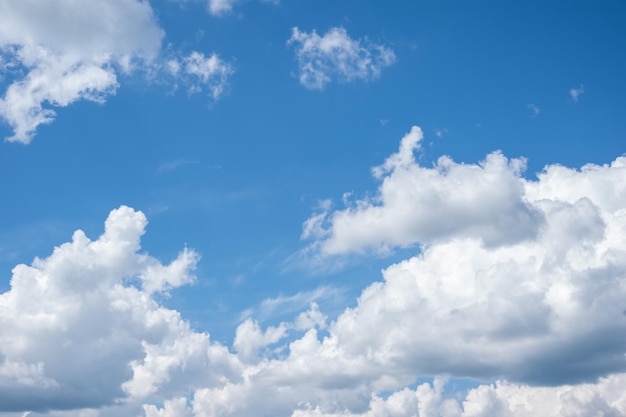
(534,110)
(335,55)
(201,73)
(575,93)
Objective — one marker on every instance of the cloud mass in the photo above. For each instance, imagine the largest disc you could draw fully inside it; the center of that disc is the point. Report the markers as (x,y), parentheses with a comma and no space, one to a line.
(540,312)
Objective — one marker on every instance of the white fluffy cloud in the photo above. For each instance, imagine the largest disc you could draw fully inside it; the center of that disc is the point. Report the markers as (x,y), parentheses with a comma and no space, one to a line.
(540,311)
(544,309)
(516,277)
(73,323)
(502,399)
(58,52)
(337,56)
(415,204)
(69,51)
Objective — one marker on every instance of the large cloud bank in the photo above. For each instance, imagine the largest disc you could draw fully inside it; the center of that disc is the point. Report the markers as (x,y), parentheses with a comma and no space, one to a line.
(61,51)
(520,283)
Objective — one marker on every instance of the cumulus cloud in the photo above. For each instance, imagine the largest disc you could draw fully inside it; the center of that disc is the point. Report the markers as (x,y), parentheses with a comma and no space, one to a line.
(63,51)
(502,399)
(544,312)
(69,51)
(337,56)
(73,323)
(415,204)
(541,312)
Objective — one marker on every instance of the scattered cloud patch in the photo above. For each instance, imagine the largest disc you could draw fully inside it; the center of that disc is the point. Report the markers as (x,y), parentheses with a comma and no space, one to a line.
(575,93)
(201,73)
(336,56)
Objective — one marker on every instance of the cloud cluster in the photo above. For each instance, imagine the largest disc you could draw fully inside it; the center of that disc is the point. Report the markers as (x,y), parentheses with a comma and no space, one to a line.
(62,51)
(537,307)
(337,56)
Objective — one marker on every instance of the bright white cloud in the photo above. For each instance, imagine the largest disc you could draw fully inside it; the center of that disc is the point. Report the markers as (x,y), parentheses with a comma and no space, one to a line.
(543,260)
(70,51)
(575,93)
(337,56)
(415,204)
(73,323)
(63,51)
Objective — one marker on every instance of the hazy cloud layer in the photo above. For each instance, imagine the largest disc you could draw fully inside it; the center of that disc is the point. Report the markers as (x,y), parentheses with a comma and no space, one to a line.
(336,56)
(540,311)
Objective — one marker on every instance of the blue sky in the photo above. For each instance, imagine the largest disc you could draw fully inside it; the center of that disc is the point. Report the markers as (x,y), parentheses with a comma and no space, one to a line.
(284,154)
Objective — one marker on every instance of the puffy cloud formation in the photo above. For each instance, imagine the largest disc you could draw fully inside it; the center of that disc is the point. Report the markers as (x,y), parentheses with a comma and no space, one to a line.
(69,51)
(337,56)
(502,399)
(73,323)
(62,51)
(415,204)
(527,289)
